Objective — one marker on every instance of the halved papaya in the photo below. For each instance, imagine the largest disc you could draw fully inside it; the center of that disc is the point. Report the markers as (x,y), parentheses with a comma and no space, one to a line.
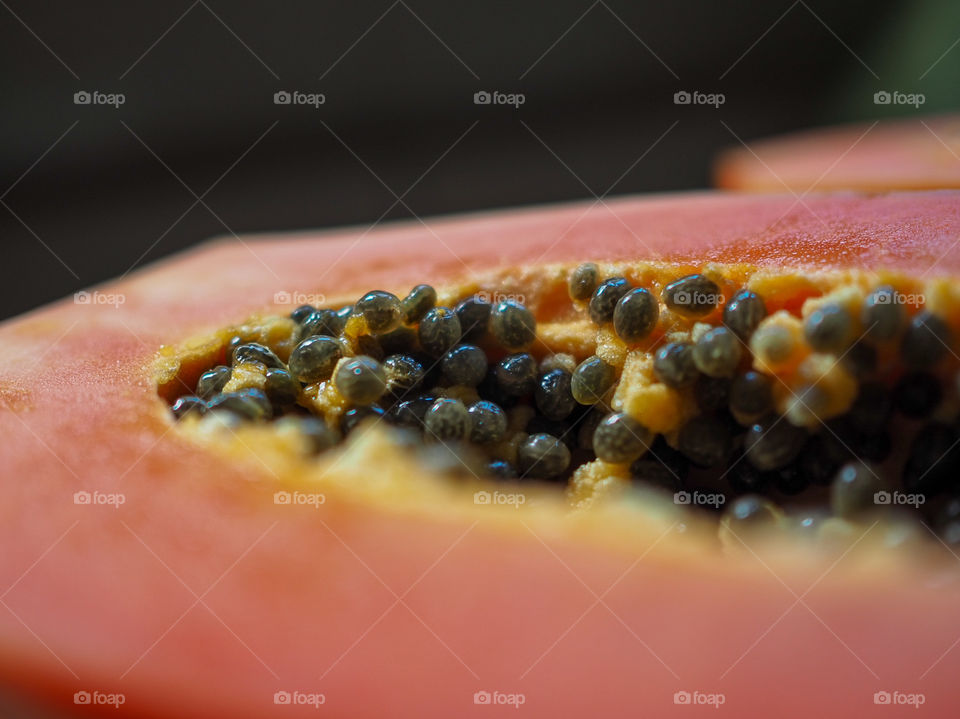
(218,565)
(904,154)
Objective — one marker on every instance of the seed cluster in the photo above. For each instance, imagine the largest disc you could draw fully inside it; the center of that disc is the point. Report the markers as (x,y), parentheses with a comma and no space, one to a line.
(472,378)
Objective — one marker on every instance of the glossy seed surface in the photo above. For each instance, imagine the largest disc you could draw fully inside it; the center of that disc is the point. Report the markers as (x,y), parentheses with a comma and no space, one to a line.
(591,380)
(635,315)
(692,296)
(313,359)
(605,297)
(361,380)
(512,325)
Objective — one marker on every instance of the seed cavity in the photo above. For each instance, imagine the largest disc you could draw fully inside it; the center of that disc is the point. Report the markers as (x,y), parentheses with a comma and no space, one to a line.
(820,414)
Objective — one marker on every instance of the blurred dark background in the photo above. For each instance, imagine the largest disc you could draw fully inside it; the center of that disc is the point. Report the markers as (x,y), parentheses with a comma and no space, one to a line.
(90,191)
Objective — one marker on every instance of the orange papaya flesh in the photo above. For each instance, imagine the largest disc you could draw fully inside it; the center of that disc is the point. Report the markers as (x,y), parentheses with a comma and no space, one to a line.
(186,588)
(903,154)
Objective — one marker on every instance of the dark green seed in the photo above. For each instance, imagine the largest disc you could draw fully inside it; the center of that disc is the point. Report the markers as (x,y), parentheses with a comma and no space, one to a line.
(381,310)
(933,461)
(213,381)
(860,359)
(773,443)
(502,470)
(853,490)
(542,456)
(344,314)
(917,394)
(232,347)
(512,325)
(635,315)
(706,441)
(517,374)
(253,352)
(674,366)
(926,341)
(301,313)
(692,296)
(355,415)
(474,314)
(875,447)
(588,426)
(448,419)
(744,478)
(871,409)
(583,281)
(464,365)
(318,433)
(662,466)
(313,359)
(410,413)
(490,389)
(246,404)
(538,424)
(488,423)
(750,511)
(439,331)
(591,380)
(712,393)
(619,438)
(949,512)
(415,306)
(605,298)
(882,315)
(282,389)
(187,405)
(743,313)
(360,380)
(790,480)
(817,461)
(751,394)
(404,374)
(553,394)
(717,352)
(828,329)
(399,341)
(322,322)
(369,345)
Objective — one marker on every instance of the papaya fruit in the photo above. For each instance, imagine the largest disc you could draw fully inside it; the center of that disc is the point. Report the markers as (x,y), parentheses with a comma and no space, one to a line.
(194,524)
(902,154)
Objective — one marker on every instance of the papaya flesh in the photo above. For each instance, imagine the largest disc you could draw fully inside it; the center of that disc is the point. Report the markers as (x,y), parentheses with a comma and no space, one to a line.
(905,154)
(178,581)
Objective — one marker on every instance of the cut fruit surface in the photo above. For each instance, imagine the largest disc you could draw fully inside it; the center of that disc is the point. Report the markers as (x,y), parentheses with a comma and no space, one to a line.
(906,154)
(179,577)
